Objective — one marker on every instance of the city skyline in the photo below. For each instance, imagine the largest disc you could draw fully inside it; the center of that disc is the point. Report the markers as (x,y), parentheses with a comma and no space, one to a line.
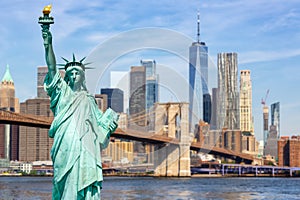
(263,34)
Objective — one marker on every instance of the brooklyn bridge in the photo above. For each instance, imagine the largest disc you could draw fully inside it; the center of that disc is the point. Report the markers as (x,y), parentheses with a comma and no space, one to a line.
(172,146)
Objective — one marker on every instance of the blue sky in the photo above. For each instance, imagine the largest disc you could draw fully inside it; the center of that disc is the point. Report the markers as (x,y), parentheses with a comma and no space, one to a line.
(264,33)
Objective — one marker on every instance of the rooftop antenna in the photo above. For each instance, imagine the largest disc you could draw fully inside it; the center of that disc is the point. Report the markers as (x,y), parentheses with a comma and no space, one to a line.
(198,27)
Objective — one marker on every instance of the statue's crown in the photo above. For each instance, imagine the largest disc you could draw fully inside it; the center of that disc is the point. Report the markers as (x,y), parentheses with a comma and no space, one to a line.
(74,63)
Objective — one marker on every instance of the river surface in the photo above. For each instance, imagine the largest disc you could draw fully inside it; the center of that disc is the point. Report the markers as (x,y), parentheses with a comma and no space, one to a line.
(122,188)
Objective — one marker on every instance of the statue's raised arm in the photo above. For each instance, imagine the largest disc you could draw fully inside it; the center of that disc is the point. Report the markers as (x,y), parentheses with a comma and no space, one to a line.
(46,20)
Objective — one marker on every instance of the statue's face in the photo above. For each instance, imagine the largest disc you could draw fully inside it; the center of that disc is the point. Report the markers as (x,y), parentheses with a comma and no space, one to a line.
(75,78)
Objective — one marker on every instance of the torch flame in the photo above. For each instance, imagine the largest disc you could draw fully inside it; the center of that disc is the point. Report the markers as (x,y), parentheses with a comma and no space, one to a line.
(47,9)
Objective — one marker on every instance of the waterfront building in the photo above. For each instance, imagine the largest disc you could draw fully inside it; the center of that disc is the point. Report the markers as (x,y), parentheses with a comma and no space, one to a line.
(275,117)
(151,83)
(118,150)
(227,139)
(115,98)
(199,97)
(228,98)
(246,118)
(249,143)
(35,144)
(8,133)
(270,147)
(232,140)
(289,151)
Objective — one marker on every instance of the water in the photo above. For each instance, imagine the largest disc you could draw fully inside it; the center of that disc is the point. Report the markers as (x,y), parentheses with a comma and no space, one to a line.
(136,188)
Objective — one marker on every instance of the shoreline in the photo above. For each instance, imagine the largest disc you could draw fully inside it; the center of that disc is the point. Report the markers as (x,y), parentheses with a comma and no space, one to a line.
(154,176)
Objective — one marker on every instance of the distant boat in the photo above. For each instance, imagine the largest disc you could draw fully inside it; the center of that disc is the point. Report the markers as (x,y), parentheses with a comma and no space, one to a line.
(10,174)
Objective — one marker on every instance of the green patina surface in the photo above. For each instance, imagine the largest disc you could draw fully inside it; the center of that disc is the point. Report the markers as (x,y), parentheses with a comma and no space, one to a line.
(80,130)
(7,76)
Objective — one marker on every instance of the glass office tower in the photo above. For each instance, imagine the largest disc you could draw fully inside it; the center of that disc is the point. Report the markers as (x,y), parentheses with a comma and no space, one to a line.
(275,117)
(199,97)
(151,83)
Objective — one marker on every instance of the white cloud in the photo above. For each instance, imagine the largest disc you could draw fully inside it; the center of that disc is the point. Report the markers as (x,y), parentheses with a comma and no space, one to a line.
(262,56)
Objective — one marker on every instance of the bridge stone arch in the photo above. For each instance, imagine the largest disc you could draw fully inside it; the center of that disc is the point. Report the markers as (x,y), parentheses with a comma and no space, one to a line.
(172,159)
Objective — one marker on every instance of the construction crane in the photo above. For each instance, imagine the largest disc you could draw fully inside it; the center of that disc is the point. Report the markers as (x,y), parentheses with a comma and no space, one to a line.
(263,101)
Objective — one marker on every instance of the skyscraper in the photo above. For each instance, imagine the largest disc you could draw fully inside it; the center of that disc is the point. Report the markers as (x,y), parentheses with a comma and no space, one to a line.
(198,81)
(228,101)
(151,83)
(8,133)
(115,98)
(41,73)
(275,117)
(35,144)
(246,119)
(137,98)
(101,100)
(214,105)
(270,147)
(265,123)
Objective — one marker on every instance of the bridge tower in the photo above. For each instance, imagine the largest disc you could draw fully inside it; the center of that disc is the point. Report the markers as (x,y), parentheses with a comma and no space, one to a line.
(172,159)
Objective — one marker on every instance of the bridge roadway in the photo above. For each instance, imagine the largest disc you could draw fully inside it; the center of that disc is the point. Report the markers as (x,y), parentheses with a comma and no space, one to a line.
(7,117)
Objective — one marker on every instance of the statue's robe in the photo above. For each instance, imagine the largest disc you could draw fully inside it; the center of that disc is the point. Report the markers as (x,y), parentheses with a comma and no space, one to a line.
(79,137)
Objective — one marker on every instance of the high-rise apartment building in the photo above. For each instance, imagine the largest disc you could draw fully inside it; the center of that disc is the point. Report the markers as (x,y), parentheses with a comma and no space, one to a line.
(115,98)
(35,144)
(246,118)
(151,83)
(199,97)
(275,117)
(265,123)
(228,98)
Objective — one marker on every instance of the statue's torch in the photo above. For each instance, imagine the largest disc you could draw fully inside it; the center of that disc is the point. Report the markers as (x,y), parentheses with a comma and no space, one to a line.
(46,19)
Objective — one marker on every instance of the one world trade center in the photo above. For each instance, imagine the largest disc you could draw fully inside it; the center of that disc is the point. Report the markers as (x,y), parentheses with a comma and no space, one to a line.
(199,97)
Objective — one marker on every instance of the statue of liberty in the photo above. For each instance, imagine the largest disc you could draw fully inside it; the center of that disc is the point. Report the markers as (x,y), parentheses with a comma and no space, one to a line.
(80,130)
